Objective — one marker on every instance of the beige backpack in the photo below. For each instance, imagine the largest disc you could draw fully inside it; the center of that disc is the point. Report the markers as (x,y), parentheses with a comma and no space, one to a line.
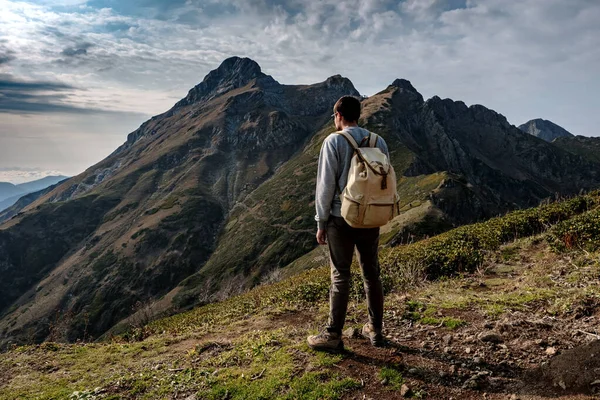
(369,199)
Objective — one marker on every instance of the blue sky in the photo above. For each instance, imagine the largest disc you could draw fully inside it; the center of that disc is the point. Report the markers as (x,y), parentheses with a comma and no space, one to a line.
(77,76)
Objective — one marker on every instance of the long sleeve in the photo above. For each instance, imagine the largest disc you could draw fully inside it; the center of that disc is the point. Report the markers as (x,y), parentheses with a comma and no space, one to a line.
(383,146)
(327,173)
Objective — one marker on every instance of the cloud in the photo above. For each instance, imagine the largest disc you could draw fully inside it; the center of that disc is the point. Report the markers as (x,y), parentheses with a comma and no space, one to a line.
(6,54)
(21,97)
(78,50)
(6,57)
(514,56)
(17,175)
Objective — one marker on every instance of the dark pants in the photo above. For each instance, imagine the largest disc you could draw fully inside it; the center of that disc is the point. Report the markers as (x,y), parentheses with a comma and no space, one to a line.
(342,240)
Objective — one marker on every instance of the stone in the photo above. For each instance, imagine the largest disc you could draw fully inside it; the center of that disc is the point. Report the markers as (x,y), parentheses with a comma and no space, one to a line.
(192,397)
(413,371)
(453,369)
(405,391)
(477,360)
(468,350)
(384,381)
(447,339)
(562,385)
(490,337)
(551,351)
(351,333)
(470,383)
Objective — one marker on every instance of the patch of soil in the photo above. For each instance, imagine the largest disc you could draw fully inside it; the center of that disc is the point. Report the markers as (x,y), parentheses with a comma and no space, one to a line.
(268,322)
(575,370)
(426,373)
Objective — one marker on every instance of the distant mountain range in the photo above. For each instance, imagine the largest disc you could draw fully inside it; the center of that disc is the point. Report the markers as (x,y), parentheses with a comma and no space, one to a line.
(11,193)
(545,130)
(210,197)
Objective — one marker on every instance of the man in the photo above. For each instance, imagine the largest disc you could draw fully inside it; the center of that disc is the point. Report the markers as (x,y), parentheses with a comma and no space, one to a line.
(334,163)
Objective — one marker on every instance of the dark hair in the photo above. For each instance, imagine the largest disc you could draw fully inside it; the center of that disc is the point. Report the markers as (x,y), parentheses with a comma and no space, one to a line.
(348,107)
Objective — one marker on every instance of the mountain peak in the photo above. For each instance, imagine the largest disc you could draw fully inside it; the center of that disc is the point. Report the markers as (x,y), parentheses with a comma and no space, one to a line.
(339,81)
(234,72)
(545,130)
(240,66)
(405,85)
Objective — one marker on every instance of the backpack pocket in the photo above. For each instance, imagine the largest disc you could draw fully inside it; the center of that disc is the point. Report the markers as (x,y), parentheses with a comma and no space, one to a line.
(378,214)
(350,210)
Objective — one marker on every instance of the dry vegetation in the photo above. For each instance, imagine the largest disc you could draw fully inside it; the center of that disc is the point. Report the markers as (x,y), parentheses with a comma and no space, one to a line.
(512,296)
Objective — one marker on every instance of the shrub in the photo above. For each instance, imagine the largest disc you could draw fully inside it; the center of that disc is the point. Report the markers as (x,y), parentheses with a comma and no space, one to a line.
(581,232)
(462,249)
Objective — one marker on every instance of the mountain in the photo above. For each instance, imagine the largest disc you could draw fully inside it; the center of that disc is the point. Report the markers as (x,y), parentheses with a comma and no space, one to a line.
(215,195)
(40,184)
(587,147)
(13,205)
(133,226)
(9,190)
(27,188)
(545,130)
(468,163)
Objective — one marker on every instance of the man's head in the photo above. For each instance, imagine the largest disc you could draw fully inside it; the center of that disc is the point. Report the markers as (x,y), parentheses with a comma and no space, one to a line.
(346,112)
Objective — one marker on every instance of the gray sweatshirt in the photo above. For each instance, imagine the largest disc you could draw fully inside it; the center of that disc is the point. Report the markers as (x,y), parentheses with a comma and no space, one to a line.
(334,164)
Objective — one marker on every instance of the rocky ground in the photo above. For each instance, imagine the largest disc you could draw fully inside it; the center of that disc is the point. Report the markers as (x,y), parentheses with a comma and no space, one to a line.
(525,326)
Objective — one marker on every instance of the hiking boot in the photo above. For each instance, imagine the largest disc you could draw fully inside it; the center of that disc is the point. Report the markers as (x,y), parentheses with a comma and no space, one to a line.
(374,335)
(327,341)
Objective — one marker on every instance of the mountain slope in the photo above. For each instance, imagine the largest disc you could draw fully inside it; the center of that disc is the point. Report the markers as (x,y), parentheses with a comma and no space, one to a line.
(9,190)
(545,130)
(462,163)
(31,192)
(207,199)
(159,201)
(586,147)
(521,326)
(40,184)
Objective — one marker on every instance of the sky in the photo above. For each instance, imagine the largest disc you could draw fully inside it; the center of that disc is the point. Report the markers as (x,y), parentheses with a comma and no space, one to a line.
(76,76)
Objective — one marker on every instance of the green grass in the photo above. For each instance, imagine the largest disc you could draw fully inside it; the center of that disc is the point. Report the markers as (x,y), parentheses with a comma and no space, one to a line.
(392,376)
(273,363)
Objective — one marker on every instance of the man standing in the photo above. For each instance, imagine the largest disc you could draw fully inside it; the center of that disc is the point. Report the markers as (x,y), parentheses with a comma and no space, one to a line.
(334,164)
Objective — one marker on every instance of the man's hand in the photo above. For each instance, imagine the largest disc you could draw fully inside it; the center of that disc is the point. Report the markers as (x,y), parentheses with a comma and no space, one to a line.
(321,236)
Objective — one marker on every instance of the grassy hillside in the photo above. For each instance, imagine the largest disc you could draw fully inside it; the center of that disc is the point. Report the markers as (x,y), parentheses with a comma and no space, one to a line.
(587,147)
(530,276)
(274,225)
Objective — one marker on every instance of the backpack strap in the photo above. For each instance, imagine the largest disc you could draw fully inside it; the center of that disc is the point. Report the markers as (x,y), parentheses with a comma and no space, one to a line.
(350,139)
(373,139)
